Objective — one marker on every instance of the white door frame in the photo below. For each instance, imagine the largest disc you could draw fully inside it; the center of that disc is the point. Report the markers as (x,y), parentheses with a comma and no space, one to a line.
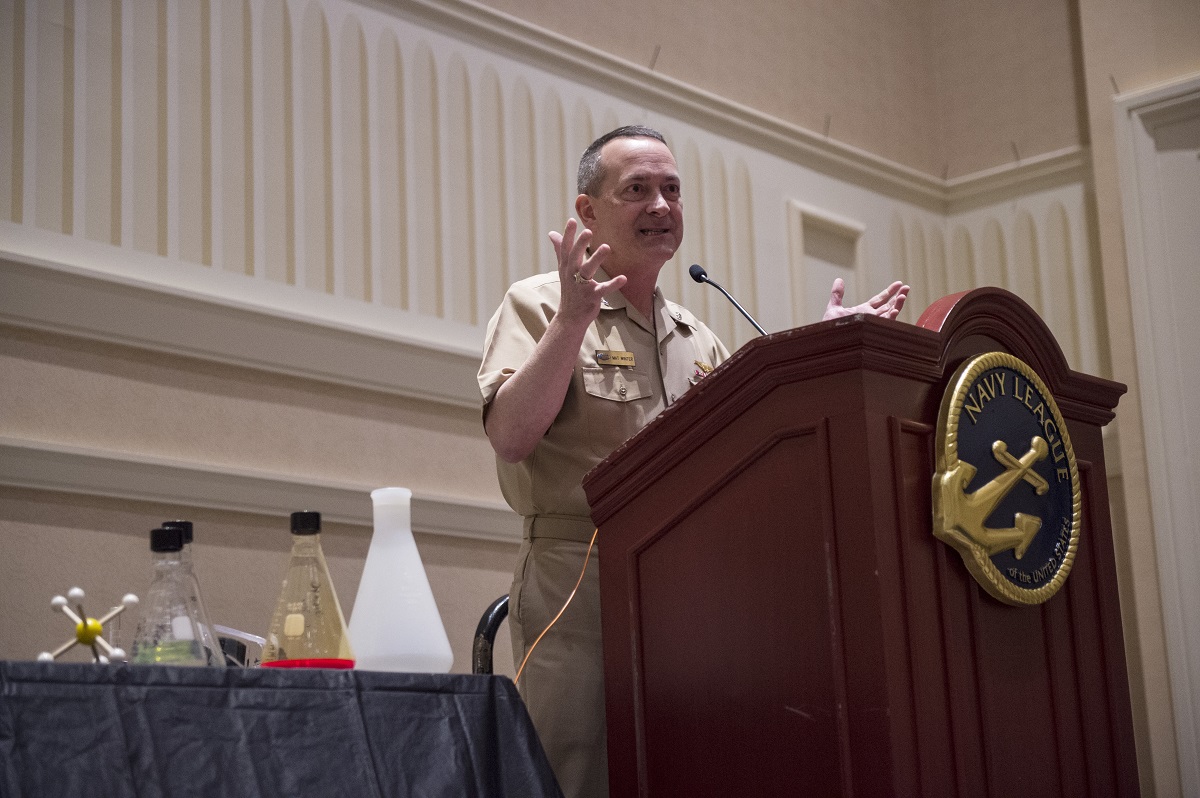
(1168,411)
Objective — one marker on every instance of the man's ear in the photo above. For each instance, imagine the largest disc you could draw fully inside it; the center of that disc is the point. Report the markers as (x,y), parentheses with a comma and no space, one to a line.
(585,210)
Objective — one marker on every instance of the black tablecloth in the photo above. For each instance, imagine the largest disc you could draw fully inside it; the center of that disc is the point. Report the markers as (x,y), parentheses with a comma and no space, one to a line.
(137,730)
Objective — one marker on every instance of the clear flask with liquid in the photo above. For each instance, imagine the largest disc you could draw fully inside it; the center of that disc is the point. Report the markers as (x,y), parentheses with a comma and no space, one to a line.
(307,629)
(208,639)
(169,631)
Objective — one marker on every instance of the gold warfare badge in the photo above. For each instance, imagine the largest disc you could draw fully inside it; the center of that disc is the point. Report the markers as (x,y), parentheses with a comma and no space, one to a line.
(1006,492)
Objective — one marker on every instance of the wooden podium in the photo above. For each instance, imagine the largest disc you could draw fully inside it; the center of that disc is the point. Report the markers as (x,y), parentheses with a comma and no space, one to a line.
(778,618)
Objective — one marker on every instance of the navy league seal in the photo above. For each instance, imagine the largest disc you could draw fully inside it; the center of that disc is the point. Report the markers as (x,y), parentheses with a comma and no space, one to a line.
(1006,491)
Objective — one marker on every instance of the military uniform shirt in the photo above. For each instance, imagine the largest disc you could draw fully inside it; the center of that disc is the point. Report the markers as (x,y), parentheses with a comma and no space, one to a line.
(606,404)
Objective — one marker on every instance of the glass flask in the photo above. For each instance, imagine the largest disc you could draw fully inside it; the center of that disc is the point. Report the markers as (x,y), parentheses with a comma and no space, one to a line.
(169,630)
(208,640)
(308,629)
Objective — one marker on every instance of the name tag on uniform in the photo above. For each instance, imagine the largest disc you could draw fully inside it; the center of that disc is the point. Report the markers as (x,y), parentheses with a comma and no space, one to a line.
(610,357)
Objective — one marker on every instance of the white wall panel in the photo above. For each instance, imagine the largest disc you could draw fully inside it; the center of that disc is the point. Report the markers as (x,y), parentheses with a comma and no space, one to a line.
(390,200)
(314,152)
(918,261)
(352,162)
(12,95)
(492,254)
(939,274)
(274,146)
(52,58)
(1058,279)
(961,269)
(144,126)
(528,237)
(1025,273)
(900,252)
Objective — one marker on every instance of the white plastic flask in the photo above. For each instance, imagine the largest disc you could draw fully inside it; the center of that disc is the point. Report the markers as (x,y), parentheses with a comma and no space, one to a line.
(395,624)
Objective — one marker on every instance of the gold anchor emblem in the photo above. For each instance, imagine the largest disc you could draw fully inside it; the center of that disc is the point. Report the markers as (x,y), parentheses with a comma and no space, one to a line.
(993,398)
(965,514)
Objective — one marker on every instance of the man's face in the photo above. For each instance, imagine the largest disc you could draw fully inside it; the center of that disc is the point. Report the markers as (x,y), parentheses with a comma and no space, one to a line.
(637,210)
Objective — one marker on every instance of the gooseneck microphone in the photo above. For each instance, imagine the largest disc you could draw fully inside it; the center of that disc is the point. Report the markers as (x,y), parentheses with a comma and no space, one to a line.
(701,276)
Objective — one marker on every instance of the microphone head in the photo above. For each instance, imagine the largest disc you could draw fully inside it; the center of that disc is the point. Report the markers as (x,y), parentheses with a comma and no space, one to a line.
(698,273)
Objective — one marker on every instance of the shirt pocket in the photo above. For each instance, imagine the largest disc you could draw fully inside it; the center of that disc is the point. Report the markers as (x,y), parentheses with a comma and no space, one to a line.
(615,405)
(616,384)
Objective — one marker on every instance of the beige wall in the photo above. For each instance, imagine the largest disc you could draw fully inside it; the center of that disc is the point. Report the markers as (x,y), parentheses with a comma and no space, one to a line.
(59,389)
(943,87)
(1006,81)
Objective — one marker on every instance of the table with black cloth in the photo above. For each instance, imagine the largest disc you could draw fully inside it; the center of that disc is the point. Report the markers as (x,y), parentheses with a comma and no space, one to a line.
(140,730)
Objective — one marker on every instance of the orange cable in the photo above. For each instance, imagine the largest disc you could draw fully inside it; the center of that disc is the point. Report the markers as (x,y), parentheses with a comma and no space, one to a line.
(566,604)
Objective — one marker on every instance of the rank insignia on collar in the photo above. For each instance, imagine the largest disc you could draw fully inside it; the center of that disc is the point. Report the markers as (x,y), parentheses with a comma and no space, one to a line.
(1006,492)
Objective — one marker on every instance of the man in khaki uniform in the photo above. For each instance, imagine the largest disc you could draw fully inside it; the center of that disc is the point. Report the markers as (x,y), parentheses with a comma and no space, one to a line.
(574,364)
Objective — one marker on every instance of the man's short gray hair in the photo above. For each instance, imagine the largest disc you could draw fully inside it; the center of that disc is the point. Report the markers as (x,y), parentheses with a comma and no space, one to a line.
(591,174)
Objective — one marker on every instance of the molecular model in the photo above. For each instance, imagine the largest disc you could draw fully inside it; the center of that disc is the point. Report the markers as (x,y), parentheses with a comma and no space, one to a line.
(87,630)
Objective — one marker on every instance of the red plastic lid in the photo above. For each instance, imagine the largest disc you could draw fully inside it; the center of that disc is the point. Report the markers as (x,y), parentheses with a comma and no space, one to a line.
(340,664)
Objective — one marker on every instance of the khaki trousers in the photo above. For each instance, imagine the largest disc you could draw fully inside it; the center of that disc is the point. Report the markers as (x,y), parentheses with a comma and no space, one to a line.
(563,682)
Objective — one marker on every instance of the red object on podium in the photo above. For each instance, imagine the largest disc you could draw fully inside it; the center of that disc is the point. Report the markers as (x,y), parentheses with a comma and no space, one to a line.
(779,619)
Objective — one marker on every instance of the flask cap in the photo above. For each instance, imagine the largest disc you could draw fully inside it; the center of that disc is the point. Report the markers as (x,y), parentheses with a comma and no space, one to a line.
(166,539)
(306,523)
(184,526)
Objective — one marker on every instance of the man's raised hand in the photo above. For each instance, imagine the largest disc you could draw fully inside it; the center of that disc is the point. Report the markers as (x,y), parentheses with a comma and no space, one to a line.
(887,303)
(581,294)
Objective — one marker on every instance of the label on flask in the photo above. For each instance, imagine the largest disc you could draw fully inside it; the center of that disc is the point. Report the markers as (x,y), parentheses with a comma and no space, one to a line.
(293,625)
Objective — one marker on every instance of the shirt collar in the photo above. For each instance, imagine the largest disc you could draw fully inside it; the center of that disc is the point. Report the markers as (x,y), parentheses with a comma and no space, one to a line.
(663,320)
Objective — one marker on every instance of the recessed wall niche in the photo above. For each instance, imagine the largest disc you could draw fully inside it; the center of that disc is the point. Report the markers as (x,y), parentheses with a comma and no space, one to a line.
(822,246)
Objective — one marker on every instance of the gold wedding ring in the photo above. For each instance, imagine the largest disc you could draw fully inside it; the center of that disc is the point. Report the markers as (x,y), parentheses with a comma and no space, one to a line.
(579,278)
